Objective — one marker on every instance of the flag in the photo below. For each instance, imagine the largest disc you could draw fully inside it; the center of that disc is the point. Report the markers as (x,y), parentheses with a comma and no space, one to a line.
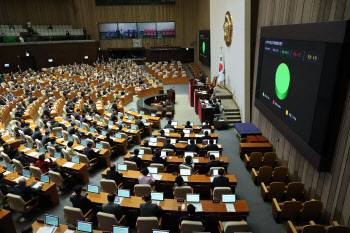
(221,70)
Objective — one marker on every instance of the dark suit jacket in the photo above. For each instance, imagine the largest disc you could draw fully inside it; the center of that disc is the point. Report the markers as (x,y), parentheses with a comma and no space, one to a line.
(193,148)
(139,124)
(150,210)
(81,202)
(10,152)
(37,135)
(26,192)
(62,173)
(110,141)
(212,147)
(221,181)
(114,175)
(191,218)
(90,153)
(4,189)
(45,140)
(215,163)
(27,131)
(169,146)
(135,159)
(113,208)
(158,160)
(71,130)
(206,127)
(23,161)
(76,115)
(167,126)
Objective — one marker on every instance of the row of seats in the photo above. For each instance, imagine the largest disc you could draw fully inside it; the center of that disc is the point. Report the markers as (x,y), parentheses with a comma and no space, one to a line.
(60,32)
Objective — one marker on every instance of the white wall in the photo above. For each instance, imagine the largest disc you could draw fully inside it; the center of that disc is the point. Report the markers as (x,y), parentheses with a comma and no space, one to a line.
(237,56)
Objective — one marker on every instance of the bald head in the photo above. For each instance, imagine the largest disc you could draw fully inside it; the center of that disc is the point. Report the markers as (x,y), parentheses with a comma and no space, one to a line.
(22,182)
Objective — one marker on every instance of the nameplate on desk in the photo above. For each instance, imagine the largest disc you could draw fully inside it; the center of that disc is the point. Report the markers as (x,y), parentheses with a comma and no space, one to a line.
(68,164)
(180,200)
(25,150)
(79,147)
(216,201)
(34,154)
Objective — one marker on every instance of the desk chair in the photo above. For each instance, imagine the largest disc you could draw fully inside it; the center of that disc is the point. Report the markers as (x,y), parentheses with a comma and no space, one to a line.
(218,191)
(57,179)
(160,167)
(131,165)
(141,190)
(305,229)
(294,190)
(147,150)
(86,126)
(66,155)
(169,111)
(72,215)
(92,141)
(3,199)
(51,150)
(263,175)
(57,130)
(147,224)
(190,226)
(288,210)
(89,163)
(269,159)
(18,166)
(211,171)
(76,139)
(6,158)
(108,186)
(180,192)
(36,172)
(169,151)
(280,174)
(275,190)
(29,140)
(65,135)
(105,145)
(311,210)
(159,110)
(107,221)
(22,135)
(233,226)
(182,166)
(254,160)
(17,203)
(38,144)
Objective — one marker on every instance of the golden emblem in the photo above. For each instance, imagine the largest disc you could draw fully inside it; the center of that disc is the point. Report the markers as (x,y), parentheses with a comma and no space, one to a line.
(228,29)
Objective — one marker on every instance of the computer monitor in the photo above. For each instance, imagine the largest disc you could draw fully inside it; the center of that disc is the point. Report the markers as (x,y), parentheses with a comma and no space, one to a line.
(41,150)
(189,153)
(133,127)
(132,109)
(122,167)
(101,120)
(153,115)
(45,179)
(75,159)
(141,152)
(207,130)
(228,198)
(26,173)
(9,167)
(57,155)
(189,141)
(192,197)
(153,139)
(167,131)
(216,154)
(191,124)
(144,120)
(153,170)
(81,127)
(124,193)
(174,123)
(185,172)
(157,196)
(70,139)
(93,189)
(130,118)
(92,130)
(84,226)
(142,112)
(186,131)
(51,220)
(118,229)
(83,143)
(110,122)
(120,114)
(58,135)
(173,141)
(163,153)
(215,172)
(118,135)
(160,231)
(29,145)
(111,111)
(104,133)
(99,146)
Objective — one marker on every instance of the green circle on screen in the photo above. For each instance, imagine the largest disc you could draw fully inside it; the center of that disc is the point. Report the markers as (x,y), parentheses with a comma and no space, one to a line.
(203,47)
(282,81)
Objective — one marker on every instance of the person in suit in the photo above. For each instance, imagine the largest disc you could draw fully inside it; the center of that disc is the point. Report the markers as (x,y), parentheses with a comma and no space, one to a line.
(79,201)
(37,134)
(182,138)
(9,151)
(213,163)
(144,179)
(169,125)
(89,152)
(112,174)
(45,138)
(148,209)
(55,167)
(211,146)
(157,159)
(168,145)
(3,187)
(112,208)
(221,180)
(71,129)
(115,106)
(139,123)
(179,182)
(24,161)
(192,147)
(135,158)
(188,125)
(108,139)
(26,192)
(191,210)
(206,126)
(42,164)
(114,116)
(76,114)
(19,113)
(188,162)
(68,110)
(206,135)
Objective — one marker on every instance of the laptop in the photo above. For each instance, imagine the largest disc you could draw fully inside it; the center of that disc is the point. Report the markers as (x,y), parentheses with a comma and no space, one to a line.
(57,155)
(153,170)
(124,193)
(58,135)
(185,172)
(84,226)
(216,154)
(101,120)
(118,229)
(9,167)
(141,152)
(26,173)
(118,135)
(228,198)
(70,139)
(133,127)
(75,159)
(132,109)
(192,197)
(93,189)
(51,220)
(29,145)
(144,120)
(120,114)
(81,127)
(130,118)
(153,139)
(92,130)
(142,112)
(172,141)
(83,143)
(153,115)
(104,133)
(122,167)
(189,153)
(110,122)
(45,179)
(41,150)
(174,123)
(99,146)
(157,196)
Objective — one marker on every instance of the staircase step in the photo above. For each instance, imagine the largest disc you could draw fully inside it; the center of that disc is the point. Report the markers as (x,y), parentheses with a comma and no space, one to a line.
(233,117)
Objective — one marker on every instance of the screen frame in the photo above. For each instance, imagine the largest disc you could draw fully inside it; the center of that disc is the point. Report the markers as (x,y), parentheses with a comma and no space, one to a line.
(58,220)
(85,222)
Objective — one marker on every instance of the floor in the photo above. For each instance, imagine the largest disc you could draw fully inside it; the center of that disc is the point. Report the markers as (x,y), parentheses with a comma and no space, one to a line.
(260,219)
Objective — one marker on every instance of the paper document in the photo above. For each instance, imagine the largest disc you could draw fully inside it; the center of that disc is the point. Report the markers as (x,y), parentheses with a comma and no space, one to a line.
(34,154)
(230,208)
(101,136)
(211,179)
(69,231)
(79,148)
(53,159)
(185,178)
(146,124)
(156,202)
(46,230)
(65,143)
(199,135)
(198,206)
(25,150)
(36,186)
(195,160)
(187,135)
(68,164)
(157,176)
(6,173)
(140,156)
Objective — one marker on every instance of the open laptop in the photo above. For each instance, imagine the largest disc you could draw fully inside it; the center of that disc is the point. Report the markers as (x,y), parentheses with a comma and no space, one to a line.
(122,167)
(124,193)
(84,226)
(99,146)
(51,220)
(118,135)
(93,189)
(153,170)
(75,159)
(41,150)
(228,198)
(26,173)
(157,196)
(174,123)
(9,167)
(142,112)
(185,172)
(189,153)
(133,127)
(193,197)
(119,229)
(186,131)
(44,178)
(57,155)
(83,143)
(141,152)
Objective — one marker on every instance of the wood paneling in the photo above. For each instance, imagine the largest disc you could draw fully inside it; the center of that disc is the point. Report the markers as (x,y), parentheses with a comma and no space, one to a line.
(333,187)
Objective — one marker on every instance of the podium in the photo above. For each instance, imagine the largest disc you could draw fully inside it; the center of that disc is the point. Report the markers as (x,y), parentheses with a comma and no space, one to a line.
(171,95)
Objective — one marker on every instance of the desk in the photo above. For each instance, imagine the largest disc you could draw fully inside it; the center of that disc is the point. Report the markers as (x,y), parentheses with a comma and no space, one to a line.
(256,138)
(154,120)
(191,89)
(14,143)
(178,80)
(61,229)
(6,221)
(247,148)
(180,146)
(126,99)
(205,113)
(149,91)
(199,95)
(191,136)
(49,190)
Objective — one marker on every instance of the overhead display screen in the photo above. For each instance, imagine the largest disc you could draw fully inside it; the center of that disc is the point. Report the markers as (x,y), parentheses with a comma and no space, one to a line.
(204,46)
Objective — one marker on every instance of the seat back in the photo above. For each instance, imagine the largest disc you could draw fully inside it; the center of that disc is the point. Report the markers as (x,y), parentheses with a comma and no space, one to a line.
(182,166)
(313,229)
(269,159)
(29,139)
(291,210)
(86,126)
(38,143)
(180,192)
(276,190)
(280,174)
(142,189)
(84,159)
(72,215)
(338,229)
(235,226)
(65,134)
(170,152)
(265,174)
(159,108)
(106,221)
(311,210)
(190,226)
(57,130)
(161,139)
(218,191)
(159,166)
(76,139)
(147,224)
(105,145)
(66,155)
(131,165)
(56,178)
(147,150)
(108,186)
(294,190)
(2,200)
(36,172)
(6,157)
(18,166)
(51,150)
(211,171)
(16,202)
(255,159)
(92,141)
(22,135)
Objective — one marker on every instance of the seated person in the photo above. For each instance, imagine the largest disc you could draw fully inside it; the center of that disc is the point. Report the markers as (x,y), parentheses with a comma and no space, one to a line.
(91,137)
(114,116)
(206,126)
(45,138)
(9,151)
(221,180)
(158,159)
(55,167)
(169,125)
(192,147)
(26,192)
(70,150)
(182,138)
(71,129)
(179,182)
(188,125)
(134,158)
(144,179)
(112,174)
(27,130)
(109,140)
(139,123)
(161,133)
(42,164)
(89,152)
(111,207)
(37,134)
(191,210)
(213,163)
(79,201)
(188,162)
(168,145)
(3,187)
(206,135)
(150,210)
(22,158)
(52,143)
(211,146)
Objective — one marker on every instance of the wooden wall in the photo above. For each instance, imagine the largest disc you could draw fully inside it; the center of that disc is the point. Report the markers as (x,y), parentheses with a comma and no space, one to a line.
(333,187)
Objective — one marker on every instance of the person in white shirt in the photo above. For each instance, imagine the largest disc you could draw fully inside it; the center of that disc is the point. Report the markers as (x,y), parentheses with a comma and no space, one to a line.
(21,39)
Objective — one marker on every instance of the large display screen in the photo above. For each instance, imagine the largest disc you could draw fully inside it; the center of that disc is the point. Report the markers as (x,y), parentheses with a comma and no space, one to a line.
(289,79)
(204,46)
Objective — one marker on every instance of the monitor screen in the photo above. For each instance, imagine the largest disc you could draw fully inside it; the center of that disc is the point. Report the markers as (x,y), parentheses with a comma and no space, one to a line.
(58,135)
(141,152)
(120,114)
(187,131)
(84,226)
(70,139)
(104,133)
(153,170)
(174,123)
(192,197)
(157,196)
(50,60)
(51,220)
(153,139)
(118,229)
(153,115)
(9,167)
(133,127)
(144,120)
(189,153)
(92,130)
(83,143)
(75,159)
(26,173)
(204,46)
(173,141)
(99,146)
(7,65)
(124,193)
(142,112)
(130,118)
(81,127)
(41,150)
(57,155)
(228,198)
(101,120)
(45,179)
(132,109)
(93,189)
(216,154)
(110,122)
(29,145)
(185,172)
(122,167)
(118,135)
